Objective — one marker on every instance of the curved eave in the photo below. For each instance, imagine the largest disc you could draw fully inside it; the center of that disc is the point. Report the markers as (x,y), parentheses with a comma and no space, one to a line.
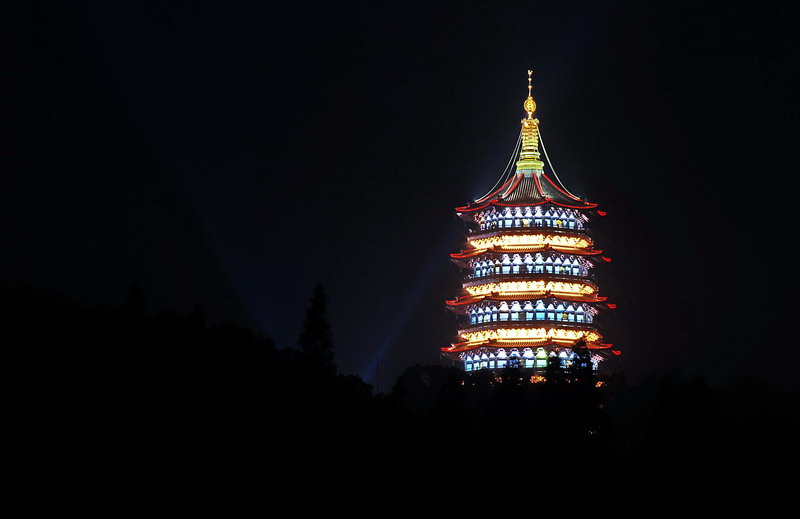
(516,249)
(497,203)
(543,294)
(461,347)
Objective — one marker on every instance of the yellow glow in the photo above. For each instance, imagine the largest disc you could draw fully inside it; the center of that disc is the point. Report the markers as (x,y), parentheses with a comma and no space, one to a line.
(530,333)
(556,287)
(572,242)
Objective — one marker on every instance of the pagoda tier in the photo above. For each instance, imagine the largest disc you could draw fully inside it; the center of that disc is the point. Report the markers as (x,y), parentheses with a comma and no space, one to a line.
(530,297)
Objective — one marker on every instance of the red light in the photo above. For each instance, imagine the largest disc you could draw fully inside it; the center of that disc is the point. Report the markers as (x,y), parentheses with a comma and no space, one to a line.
(611,305)
(607,260)
(601,213)
(616,352)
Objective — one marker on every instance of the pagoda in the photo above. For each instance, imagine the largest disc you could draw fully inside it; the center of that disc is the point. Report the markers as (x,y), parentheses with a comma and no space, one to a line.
(529,297)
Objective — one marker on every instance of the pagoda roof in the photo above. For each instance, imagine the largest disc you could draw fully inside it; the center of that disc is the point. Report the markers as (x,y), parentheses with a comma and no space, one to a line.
(516,249)
(528,189)
(461,347)
(455,304)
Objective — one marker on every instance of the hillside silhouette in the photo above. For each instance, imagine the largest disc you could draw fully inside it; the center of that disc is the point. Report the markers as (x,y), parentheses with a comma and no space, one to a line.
(115,376)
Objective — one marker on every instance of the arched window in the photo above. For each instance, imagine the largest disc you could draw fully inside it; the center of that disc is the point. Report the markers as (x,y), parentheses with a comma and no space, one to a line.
(528,308)
(516,265)
(548,265)
(528,358)
(479,316)
(541,358)
(473,316)
(538,265)
(518,217)
(571,313)
(539,311)
(492,360)
(468,363)
(551,312)
(528,261)
(494,313)
(508,218)
(503,311)
(558,266)
(580,314)
(502,358)
(506,264)
(515,311)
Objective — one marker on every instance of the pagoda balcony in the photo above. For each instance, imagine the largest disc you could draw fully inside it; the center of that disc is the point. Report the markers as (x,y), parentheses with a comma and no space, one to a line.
(485,233)
(523,274)
(473,280)
(526,323)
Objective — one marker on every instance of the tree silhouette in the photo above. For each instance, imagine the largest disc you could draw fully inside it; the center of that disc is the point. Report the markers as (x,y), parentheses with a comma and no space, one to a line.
(315,342)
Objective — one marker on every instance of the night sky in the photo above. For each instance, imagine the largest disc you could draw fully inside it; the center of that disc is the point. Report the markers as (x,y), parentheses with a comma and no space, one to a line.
(234,154)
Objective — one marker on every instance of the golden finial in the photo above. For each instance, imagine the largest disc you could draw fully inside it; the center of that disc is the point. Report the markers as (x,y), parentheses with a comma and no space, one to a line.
(530,104)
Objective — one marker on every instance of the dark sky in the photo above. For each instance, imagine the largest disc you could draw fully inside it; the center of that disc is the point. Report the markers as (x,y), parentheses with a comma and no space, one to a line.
(233,154)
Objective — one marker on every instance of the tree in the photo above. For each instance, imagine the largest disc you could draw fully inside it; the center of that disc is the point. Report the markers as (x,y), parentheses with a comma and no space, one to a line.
(315,342)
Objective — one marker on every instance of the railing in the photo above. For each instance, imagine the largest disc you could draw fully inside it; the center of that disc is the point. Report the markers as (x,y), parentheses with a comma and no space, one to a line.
(467,326)
(530,225)
(525,271)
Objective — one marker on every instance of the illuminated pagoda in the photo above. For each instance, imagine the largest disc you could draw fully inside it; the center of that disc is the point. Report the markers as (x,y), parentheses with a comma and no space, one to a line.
(530,300)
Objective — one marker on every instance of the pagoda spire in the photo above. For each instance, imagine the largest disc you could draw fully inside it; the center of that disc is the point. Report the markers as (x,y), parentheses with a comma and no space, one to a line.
(529,154)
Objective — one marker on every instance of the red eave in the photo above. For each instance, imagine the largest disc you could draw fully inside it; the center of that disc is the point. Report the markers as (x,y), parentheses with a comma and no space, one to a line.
(460,347)
(468,209)
(465,300)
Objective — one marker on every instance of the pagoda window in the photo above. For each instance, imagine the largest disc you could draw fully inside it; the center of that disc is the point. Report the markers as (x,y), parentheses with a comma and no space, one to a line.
(539,311)
(528,261)
(507,218)
(491,361)
(473,316)
(558,266)
(506,265)
(515,311)
(538,265)
(580,315)
(571,313)
(503,311)
(494,313)
(551,312)
(516,264)
(468,363)
(528,308)
(541,358)
(528,358)
(576,268)
(548,266)
(561,312)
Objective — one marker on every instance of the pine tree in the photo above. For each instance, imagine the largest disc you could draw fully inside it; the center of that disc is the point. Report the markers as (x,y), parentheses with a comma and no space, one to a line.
(315,341)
